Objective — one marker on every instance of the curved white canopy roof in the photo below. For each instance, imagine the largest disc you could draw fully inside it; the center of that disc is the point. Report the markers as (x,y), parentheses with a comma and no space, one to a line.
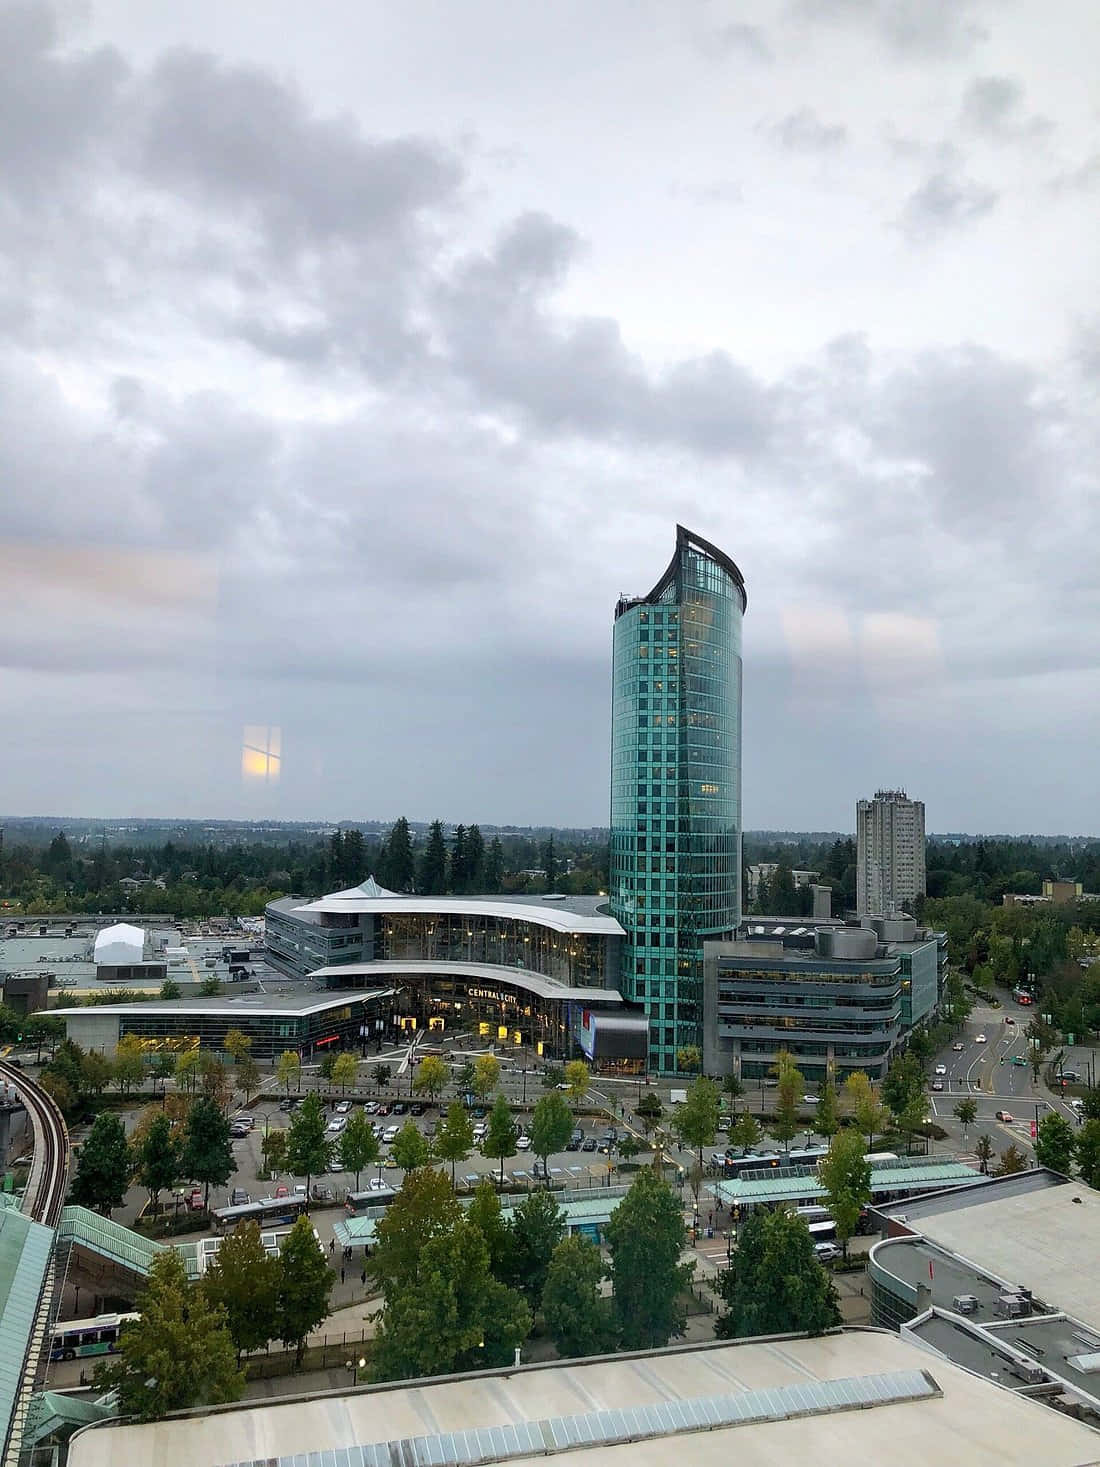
(558,919)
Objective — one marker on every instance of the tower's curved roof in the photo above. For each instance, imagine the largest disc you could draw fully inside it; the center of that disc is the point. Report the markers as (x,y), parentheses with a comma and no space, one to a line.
(685,539)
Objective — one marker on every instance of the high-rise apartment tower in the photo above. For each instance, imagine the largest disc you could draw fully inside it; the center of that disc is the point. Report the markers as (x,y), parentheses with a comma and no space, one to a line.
(890,853)
(676,785)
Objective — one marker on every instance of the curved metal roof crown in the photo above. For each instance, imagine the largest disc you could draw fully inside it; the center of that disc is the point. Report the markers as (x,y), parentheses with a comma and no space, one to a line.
(685,539)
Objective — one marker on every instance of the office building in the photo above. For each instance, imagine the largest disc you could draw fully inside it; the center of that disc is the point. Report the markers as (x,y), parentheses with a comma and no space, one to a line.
(890,853)
(676,785)
(837,997)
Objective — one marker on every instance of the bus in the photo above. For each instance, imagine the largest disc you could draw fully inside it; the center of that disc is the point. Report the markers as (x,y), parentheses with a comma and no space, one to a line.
(819,1221)
(774,1161)
(74,1339)
(358,1204)
(263,1213)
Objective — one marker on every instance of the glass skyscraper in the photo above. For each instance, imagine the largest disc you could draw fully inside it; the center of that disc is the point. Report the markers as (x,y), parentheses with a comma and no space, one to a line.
(676,785)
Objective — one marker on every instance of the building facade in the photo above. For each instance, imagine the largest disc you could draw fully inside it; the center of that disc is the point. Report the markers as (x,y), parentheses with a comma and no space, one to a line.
(676,785)
(890,853)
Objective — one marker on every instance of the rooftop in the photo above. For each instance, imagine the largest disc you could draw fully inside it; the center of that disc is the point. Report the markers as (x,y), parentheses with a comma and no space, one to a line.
(581,914)
(787,1184)
(864,1396)
(299,1002)
(523,978)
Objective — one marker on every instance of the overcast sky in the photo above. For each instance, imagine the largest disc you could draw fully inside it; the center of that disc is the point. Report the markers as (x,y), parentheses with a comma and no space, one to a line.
(354,357)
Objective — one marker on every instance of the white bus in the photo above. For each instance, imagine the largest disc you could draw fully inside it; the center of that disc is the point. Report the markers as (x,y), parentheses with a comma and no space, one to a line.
(73,1339)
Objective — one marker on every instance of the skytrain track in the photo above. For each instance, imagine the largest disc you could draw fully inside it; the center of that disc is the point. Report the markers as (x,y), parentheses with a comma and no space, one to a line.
(45,1192)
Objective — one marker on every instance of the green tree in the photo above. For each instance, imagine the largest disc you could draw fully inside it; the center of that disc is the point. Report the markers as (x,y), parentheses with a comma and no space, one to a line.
(324,1069)
(432,1077)
(398,866)
(826,1118)
(305,1281)
(788,1098)
(243,1281)
(1054,1143)
(494,866)
(747,1132)
(486,1075)
(868,1113)
(983,1149)
(454,1140)
(646,1237)
(431,878)
(500,1134)
(649,1110)
(97,1071)
(129,1065)
(103,1166)
(774,1283)
(307,1147)
(40,1029)
(236,1045)
(484,1212)
(358,1145)
(157,1159)
(1088,1153)
(537,1227)
(424,1208)
(911,1122)
(162,1069)
(475,854)
(1012,1160)
(577,1317)
(345,1068)
(273,1148)
(689,1058)
(845,1174)
(904,1081)
(551,1126)
(211,986)
(249,1077)
(966,1113)
(170,990)
(578,1078)
(410,1148)
(179,1353)
(189,1069)
(732,1088)
(696,1120)
(207,1150)
(381,1075)
(288,1070)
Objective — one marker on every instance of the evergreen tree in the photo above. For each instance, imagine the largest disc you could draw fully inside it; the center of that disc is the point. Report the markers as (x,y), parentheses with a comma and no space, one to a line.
(399,869)
(305,1281)
(242,1281)
(179,1353)
(784,897)
(550,863)
(157,1158)
(307,1146)
(207,1150)
(774,1283)
(494,867)
(646,1238)
(354,857)
(103,1166)
(537,1227)
(577,1317)
(460,861)
(475,858)
(826,1119)
(1087,1147)
(432,875)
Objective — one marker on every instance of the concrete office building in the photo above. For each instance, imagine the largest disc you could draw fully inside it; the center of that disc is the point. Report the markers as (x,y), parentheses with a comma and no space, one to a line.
(676,785)
(837,997)
(890,853)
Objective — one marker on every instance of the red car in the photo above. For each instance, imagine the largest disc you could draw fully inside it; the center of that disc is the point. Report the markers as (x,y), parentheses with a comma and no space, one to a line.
(194,1201)
(282,1190)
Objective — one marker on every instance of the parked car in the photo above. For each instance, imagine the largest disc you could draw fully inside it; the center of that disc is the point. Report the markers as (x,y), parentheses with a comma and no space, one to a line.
(389,1135)
(416,1109)
(343,1107)
(239,1197)
(523,1143)
(399,1108)
(383,1109)
(589,1144)
(335,1164)
(826,1252)
(371,1108)
(941,1069)
(282,1190)
(194,1199)
(376,1184)
(336,1126)
(289,1102)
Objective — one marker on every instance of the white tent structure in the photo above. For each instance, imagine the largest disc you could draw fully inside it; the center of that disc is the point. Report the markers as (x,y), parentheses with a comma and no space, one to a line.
(118,945)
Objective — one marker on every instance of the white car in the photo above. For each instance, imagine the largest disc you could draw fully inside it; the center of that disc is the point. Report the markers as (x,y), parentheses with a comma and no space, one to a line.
(811,1100)
(981,1039)
(376,1184)
(826,1252)
(941,1069)
(389,1135)
(336,1126)
(343,1107)
(523,1143)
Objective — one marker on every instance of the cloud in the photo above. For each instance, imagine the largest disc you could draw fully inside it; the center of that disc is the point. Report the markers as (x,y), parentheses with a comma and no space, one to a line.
(913,29)
(993,106)
(804,132)
(748,41)
(1081,179)
(945,201)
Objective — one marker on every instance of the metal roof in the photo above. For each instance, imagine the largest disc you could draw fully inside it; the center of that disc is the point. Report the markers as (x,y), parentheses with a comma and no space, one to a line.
(25,1250)
(524,978)
(299,1004)
(556,916)
(781,1185)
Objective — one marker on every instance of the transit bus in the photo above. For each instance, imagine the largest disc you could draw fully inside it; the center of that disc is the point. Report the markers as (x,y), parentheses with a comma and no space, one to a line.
(358,1204)
(263,1213)
(74,1339)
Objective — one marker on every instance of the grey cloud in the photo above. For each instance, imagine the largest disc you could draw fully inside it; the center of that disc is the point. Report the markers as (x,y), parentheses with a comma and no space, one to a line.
(911,28)
(1078,180)
(945,201)
(743,40)
(722,194)
(804,132)
(994,107)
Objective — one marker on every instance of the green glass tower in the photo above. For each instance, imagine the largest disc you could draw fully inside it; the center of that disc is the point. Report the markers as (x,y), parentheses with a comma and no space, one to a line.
(676,785)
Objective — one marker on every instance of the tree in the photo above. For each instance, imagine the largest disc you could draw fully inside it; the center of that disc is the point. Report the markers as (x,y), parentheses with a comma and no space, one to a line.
(97,1071)
(845,1173)
(178,1353)
(410,1148)
(966,1113)
(689,1058)
(207,1150)
(788,1098)
(551,1126)
(243,1282)
(500,1134)
(577,1317)
(826,1119)
(273,1148)
(305,1281)
(578,1078)
(288,1070)
(869,1115)
(358,1145)
(649,1110)
(911,1122)
(747,1132)
(1088,1153)
(170,990)
(475,857)
(549,861)
(1012,1160)
(536,1229)
(307,1147)
(157,1158)
(732,1088)
(983,1149)
(398,867)
(774,1283)
(237,1044)
(486,1075)
(431,878)
(345,1068)
(432,1077)
(381,1074)
(1055,1143)
(460,861)
(215,1080)
(454,1140)
(424,1208)
(494,866)
(696,1120)
(129,1065)
(211,986)
(249,1078)
(162,1069)
(904,1080)
(103,1166)
(189,1069)
(40,1029)
(646,1237)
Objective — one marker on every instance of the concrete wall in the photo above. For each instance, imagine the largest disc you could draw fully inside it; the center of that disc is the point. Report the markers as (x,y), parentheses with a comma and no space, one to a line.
(94,1030)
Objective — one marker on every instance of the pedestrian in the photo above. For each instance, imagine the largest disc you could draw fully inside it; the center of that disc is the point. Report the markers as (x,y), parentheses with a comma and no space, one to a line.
(332,1245)
(364,1277)
(341,1273)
